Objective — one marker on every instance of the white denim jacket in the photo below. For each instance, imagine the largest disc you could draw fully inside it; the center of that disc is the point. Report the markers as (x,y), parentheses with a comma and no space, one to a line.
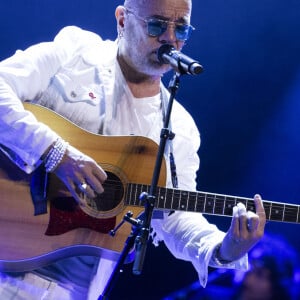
(77,76)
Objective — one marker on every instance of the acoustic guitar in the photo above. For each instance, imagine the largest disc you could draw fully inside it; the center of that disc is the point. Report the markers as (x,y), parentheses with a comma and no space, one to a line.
(41,223)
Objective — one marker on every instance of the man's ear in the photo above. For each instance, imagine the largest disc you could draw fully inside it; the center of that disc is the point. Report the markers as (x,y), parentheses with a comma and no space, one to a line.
(120,16)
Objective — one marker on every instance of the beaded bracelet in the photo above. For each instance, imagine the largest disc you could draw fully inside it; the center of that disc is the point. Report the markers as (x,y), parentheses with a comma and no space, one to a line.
(216,257)
(55,155)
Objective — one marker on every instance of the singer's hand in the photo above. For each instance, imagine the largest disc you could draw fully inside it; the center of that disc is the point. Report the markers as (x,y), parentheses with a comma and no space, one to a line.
(80,173)
(245,231)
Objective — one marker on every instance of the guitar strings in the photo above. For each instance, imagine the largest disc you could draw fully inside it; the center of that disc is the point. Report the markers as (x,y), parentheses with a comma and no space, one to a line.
(274,210)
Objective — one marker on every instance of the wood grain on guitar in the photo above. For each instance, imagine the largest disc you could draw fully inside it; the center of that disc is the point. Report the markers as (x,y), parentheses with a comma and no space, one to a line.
(29,241)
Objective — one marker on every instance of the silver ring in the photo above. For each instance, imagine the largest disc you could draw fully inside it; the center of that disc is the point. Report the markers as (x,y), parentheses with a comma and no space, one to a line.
(82,186)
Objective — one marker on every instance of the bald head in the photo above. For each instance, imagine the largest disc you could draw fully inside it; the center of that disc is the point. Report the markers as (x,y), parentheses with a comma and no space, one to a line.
(135,3)
(145,4)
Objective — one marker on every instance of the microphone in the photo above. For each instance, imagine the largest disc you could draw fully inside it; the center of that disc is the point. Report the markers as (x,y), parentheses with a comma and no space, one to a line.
(183,64)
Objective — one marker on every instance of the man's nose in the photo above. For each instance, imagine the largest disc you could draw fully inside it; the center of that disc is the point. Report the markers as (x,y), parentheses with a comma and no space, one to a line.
(169,35)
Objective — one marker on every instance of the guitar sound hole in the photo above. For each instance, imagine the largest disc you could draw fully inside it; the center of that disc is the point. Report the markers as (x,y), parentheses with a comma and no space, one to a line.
(112,195)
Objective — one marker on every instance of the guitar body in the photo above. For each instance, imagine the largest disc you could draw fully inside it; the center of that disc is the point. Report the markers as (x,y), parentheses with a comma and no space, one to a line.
(29,241)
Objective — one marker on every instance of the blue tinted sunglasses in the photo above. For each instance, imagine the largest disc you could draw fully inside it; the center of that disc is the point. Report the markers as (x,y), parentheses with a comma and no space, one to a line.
(157,27)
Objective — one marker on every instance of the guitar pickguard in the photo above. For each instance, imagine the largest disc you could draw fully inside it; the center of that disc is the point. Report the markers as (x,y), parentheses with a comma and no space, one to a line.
(65,215)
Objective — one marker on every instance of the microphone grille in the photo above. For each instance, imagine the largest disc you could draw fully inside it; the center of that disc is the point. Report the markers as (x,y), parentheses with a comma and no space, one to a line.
(164,49)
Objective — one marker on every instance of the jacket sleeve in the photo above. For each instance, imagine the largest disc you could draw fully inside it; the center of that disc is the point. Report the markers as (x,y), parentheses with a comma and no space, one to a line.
(24,77)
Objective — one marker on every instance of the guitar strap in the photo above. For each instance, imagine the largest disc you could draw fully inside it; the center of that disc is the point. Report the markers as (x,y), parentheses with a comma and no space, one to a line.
(38,181)
(158,214)
(38,190)
(169,149)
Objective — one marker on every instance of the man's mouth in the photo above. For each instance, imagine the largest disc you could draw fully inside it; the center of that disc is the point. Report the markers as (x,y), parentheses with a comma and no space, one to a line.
(154,55)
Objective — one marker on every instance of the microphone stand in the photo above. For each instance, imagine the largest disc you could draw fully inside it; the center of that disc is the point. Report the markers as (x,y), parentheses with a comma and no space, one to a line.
(141,227)
(149,199)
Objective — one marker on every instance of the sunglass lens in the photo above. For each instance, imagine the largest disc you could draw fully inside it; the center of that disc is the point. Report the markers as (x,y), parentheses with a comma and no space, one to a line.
(156,27)
(183,32)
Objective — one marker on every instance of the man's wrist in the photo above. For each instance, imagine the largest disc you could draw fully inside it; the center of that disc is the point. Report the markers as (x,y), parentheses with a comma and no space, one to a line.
(217,258)
(55,155)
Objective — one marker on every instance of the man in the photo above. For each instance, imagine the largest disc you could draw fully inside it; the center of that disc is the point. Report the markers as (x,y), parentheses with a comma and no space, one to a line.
(112,88)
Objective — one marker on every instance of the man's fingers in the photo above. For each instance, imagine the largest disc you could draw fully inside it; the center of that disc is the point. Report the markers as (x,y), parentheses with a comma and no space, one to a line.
(259,207)
(260,211)
(252,221)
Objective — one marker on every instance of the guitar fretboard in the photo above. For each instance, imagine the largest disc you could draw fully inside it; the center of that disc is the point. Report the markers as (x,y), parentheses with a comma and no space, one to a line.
(208,203)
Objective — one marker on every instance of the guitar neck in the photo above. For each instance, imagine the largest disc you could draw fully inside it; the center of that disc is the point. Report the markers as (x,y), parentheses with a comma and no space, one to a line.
(208,203)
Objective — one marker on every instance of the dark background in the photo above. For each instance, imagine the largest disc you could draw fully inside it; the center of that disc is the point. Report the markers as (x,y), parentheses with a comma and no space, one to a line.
(246,105)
